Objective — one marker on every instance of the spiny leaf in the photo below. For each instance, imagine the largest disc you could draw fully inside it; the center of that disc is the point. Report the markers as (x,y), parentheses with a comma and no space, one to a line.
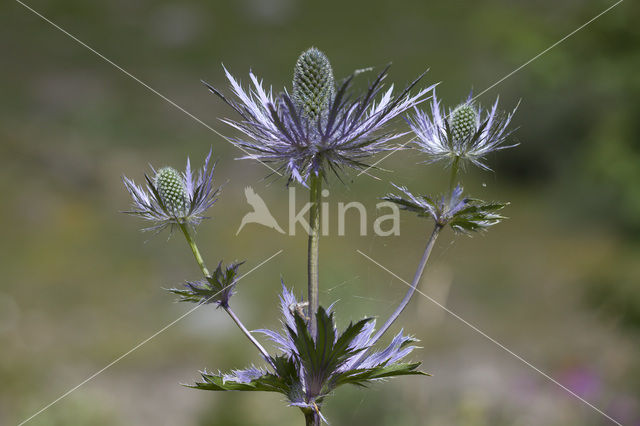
(217,288)
(216,382)
(363,376)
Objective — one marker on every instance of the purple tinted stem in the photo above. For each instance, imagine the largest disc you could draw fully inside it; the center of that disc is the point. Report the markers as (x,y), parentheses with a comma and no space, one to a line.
(241,326)
(407,297)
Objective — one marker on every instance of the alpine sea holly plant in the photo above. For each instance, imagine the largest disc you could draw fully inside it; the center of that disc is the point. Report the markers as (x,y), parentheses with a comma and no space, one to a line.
(323,128)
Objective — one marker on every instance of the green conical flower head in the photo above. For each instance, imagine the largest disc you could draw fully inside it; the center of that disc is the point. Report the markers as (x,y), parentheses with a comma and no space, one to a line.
(463,121)
(171,189)
(313,83)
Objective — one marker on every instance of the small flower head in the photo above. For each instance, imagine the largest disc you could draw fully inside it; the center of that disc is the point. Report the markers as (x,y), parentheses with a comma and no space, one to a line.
(318,128)
(172,198)
(171,190)
(467,134)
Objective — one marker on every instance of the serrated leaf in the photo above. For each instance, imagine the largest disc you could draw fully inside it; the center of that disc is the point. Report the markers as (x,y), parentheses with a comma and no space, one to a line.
(312,367)
(216,288)
(477,216)
(463,214)
(216,382)
(363,376)
(408,205)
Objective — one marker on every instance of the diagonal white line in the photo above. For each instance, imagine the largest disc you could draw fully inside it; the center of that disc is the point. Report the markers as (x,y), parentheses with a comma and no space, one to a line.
(398,148)
(163,329)
(151,89)
(547,49)
(369,174)
(503,347)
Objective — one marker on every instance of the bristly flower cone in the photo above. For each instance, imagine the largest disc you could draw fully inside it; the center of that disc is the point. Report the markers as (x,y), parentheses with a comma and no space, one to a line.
(464,120)
(313,83)
(171,189)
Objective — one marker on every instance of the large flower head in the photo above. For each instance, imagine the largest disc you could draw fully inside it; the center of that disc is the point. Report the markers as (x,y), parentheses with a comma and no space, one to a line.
(466,134)
(172,197)
(319,127)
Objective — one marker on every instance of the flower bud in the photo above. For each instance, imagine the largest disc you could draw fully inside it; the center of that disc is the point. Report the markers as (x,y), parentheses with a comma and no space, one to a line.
(171,189)
(313,83)
(463,122)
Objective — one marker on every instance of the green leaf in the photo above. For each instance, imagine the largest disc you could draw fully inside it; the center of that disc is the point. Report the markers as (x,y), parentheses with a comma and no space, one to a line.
(410,205)
(341,347)
(322,357)
(325,338)
(217,288)
(216,382)
(477,216)
(285,381)
(363,376)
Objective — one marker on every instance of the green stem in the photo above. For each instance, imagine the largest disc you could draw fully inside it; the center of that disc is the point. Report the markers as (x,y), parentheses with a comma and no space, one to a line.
(407,297)
(311,418)
(234,317)
(315,189)
(194,249)
(455,167)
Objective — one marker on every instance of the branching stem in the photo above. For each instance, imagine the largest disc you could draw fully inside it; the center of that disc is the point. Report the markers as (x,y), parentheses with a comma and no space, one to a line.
(407,297)
(234,317)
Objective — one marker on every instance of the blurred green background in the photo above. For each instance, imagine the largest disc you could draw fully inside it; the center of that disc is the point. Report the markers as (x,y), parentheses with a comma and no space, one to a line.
(558,283)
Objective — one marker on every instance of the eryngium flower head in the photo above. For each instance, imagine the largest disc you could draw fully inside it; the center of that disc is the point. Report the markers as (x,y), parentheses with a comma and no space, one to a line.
(319,128)
(463,214)
(467,133)
(171,197)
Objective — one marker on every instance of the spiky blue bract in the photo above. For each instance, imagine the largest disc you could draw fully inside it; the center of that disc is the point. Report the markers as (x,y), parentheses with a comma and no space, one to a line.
(310,368)
(216,288)
(463,214)
(468,133)
(170,197)
(328,136)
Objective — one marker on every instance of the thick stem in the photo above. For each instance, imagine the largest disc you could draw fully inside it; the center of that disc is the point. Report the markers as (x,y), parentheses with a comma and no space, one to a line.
(234,317)
(247,333)
(194,249)
(407,297)
(311,418)
(315,189)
